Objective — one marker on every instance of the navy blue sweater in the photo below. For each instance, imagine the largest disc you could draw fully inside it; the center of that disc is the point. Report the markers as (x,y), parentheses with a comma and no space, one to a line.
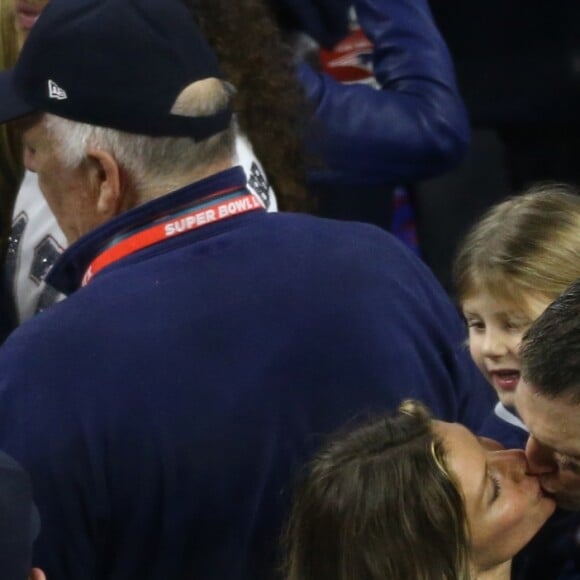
(164,409)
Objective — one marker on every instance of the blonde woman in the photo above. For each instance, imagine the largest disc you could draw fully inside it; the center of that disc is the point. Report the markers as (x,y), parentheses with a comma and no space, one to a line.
(11,166)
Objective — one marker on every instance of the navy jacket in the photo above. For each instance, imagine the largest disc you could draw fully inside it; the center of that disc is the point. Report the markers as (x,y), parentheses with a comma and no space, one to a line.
(164,409)
(414,127)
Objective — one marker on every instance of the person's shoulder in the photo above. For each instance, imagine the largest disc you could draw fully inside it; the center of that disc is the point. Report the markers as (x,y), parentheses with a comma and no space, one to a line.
(366,243)
(356,250)
(348,233)
(503,425)
(43,334)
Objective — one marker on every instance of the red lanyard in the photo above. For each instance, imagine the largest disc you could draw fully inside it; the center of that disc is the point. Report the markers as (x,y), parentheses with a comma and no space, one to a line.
(207,211)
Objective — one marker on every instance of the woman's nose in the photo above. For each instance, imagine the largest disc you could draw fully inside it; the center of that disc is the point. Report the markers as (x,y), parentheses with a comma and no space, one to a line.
(540,458)
(511,462)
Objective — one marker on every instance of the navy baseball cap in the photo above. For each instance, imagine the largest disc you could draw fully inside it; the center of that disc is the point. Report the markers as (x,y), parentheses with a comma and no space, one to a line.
(113,63)
(19,520)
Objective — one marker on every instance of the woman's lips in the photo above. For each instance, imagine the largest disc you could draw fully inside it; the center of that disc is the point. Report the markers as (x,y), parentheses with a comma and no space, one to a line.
(27,16)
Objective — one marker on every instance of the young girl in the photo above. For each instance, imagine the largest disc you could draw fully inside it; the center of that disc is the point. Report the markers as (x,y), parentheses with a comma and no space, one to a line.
(521,255)
(407,497)
(513,263)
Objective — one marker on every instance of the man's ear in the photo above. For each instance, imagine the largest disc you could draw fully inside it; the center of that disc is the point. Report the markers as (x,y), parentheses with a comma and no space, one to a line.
(37,574)
(106,181)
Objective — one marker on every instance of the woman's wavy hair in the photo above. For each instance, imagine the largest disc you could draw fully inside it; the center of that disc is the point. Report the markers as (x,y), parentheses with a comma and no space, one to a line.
(269,103)
(378,503)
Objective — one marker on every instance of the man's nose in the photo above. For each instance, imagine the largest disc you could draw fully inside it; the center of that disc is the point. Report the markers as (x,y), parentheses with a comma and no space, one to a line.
(540,458)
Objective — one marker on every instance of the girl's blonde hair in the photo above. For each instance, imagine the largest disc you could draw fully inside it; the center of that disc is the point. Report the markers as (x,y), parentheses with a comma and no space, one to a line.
(527,244)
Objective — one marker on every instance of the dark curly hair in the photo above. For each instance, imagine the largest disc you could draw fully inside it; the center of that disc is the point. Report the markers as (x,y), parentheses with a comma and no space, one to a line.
(269,103)
(550,350)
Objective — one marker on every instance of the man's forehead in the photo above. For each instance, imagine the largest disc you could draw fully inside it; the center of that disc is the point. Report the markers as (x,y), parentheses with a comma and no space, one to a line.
(553,422)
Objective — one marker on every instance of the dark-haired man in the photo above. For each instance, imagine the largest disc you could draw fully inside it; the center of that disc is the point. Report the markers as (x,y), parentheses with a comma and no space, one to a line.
(548,399)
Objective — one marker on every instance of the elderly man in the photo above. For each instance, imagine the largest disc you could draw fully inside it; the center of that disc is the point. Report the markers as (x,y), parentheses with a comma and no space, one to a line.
(164,408)
(548,399)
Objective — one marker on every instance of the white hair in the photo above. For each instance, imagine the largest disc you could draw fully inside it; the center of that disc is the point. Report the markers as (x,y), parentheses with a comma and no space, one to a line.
(149,159)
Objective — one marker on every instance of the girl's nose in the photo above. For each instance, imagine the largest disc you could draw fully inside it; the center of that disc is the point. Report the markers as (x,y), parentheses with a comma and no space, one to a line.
(494,344)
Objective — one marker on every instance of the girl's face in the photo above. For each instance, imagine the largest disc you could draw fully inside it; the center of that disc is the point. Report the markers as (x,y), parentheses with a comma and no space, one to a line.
(496,329)
(27,13)
(505,505)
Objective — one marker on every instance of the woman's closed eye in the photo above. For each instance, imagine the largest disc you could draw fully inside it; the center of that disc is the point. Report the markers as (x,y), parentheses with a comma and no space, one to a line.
(496,486)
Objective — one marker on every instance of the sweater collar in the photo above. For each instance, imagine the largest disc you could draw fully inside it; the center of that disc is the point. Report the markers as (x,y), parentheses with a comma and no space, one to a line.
(67,272)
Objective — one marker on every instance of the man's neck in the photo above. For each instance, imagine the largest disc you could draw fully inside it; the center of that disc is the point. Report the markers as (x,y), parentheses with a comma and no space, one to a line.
(163,186)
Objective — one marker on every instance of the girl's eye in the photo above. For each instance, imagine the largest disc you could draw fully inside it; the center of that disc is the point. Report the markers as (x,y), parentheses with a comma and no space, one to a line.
(517,325)
(477,324)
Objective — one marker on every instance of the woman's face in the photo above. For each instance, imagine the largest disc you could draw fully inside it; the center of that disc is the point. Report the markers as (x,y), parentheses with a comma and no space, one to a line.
(27,13)
(505,506)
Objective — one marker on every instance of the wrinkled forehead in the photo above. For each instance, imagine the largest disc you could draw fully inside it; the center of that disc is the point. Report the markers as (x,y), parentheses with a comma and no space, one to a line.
(554,422)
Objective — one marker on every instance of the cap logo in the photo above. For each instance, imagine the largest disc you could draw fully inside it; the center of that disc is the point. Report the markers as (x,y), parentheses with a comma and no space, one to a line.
(55,92)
